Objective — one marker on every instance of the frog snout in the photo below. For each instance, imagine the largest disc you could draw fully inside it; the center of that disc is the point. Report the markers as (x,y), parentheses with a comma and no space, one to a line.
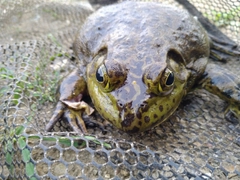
(127,119)
(130,115)
(126,113)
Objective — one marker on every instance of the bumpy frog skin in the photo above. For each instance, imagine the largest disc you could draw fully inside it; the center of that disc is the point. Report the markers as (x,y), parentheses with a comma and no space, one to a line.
(139,60)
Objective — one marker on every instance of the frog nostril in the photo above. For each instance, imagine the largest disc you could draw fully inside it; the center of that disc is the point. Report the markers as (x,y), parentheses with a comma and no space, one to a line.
(120,104)
(144,107)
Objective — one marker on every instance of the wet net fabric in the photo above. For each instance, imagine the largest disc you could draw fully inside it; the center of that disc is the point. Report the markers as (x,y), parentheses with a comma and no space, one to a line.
(36,51)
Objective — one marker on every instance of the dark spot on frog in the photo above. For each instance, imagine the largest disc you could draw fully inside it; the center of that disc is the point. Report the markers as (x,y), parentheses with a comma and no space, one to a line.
(118,82)
(155,116)
(146,119)
(118,74)
(139,114)
(155,83)
(99,28)
(140,123)
(152,95)
(127,120)
(173,100)
(161,108)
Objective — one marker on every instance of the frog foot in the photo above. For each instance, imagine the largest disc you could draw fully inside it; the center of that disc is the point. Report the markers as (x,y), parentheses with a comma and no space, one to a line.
(72,112)
(223,50)
(232,114)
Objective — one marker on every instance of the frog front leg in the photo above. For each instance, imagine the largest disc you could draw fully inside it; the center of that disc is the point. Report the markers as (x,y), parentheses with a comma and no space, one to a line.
(70,105)
(226,85)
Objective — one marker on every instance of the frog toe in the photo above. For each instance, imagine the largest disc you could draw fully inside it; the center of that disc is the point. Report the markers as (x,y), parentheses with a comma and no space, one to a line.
(72,112)
(57,114)
(223,50)
(75,120)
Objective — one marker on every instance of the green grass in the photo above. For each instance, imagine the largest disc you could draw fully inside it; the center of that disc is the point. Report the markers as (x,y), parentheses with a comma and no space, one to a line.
(37,85)
(224,18)
(15,138)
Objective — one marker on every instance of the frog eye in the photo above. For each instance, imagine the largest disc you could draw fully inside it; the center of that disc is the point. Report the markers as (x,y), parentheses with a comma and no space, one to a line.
(101,71)
(110,76)
(166,81)
(170,79)
(103,78)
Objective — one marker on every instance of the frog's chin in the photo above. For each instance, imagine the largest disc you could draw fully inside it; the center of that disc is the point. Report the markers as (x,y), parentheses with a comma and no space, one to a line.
(138,120)
(150,113)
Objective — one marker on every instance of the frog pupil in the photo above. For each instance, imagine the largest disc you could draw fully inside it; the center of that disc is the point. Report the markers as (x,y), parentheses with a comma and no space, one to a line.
(170,79)
(99,75)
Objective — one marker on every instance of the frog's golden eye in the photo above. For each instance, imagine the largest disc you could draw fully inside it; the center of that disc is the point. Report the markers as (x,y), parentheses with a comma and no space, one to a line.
(166,81)
(159,79)
(100,73)
(110,75)
(103,78)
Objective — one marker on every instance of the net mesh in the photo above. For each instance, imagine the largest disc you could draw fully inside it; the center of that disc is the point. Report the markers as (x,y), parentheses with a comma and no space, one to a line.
(35,52)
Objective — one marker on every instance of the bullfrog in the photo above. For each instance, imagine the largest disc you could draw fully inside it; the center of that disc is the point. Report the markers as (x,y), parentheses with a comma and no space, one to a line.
(138,61)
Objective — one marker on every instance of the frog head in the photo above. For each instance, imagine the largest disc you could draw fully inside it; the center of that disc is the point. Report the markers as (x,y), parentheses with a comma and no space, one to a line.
(134,97)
